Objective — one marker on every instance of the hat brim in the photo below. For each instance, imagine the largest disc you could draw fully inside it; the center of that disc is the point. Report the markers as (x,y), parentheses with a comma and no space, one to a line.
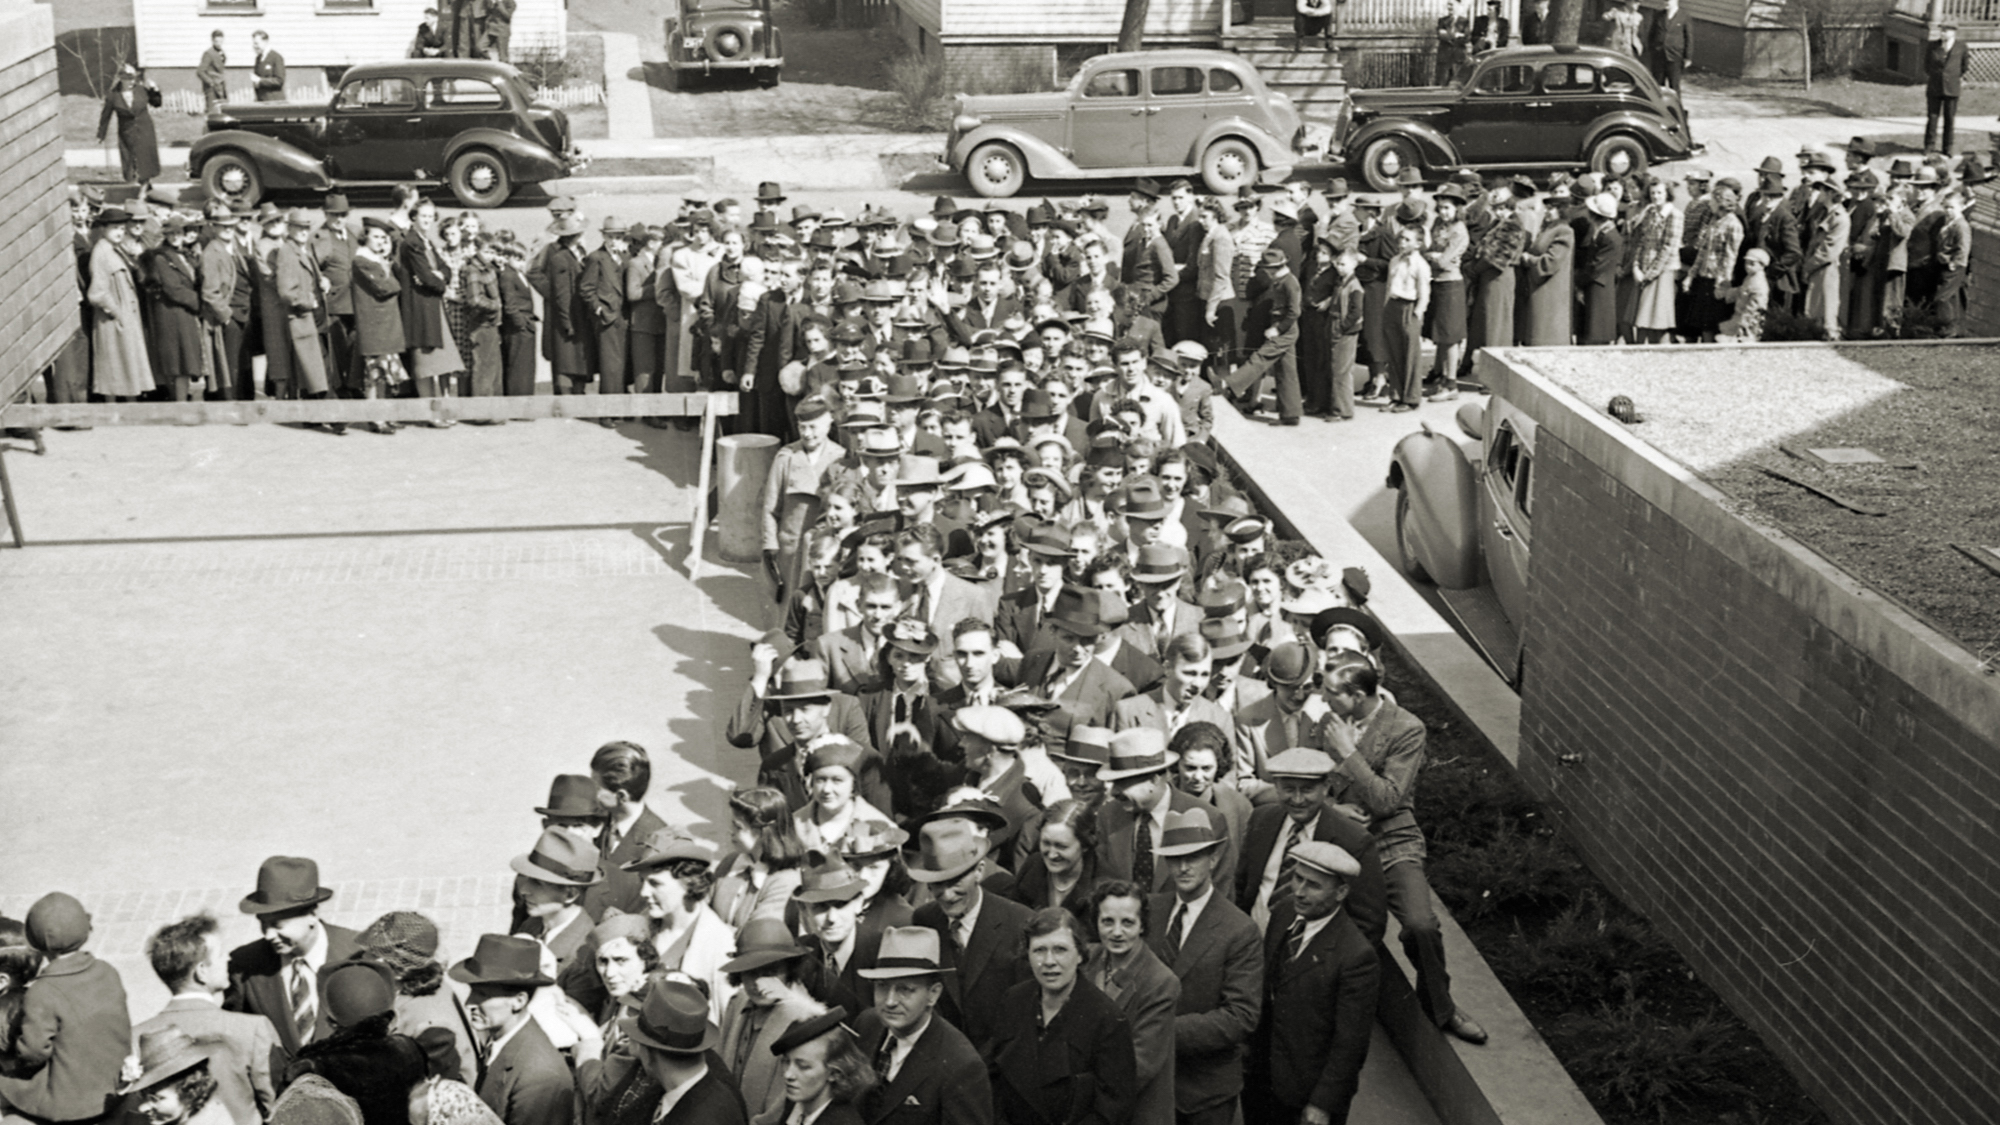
(174,1067)
(656,862)
(779,697)
(900,972)
(1080,628)
(251,904)
(749,962)
(466,972)
(629,1027)
(593,814)
(943,874)
(1188,849)
(524,865)
(1106,773)
(1228,651)
(835,894)
(1160,579)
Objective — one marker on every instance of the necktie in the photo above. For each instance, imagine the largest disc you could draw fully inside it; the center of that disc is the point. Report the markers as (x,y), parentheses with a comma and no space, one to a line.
(1281,891)
(1142,855)
(885,1056)
(305,1007)
(1295,938)
(1174,934)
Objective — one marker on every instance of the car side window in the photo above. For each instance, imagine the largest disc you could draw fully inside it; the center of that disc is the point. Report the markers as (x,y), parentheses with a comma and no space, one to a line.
(1568,78)
(462,93)
(1505,452)
(1524,484)
(1224,81)
(378,93)
(1113,84)
(1172,81)
(1506,80)
(1618,80)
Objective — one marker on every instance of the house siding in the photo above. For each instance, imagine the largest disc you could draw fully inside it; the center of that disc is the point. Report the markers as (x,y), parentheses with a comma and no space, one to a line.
(1047,20)
(38,293)
(174,33)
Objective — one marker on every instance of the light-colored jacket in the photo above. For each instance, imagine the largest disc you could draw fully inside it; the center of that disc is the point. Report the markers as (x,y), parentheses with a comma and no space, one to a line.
(119,362)
(1215,261)
(762,1078)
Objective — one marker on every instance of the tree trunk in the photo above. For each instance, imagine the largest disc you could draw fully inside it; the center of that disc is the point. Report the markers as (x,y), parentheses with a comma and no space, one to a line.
(1132,29)
(1566,16)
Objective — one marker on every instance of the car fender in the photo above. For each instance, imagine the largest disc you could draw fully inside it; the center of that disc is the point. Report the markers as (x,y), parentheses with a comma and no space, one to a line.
(1660,144)
(281,165)
(527,161)
(1434,147)
(1437,477)
(1044,159)
(1270,151)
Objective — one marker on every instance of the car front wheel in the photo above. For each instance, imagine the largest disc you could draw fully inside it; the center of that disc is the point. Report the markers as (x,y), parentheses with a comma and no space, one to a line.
(233,177)
(479,178)
(1228,164)
(1383,159)
(1407,551)
(1618,156)
(996,170)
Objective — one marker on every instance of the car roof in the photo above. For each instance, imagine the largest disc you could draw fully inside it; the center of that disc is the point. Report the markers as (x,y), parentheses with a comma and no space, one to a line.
(1169,56)
(431,68)
(1545,52)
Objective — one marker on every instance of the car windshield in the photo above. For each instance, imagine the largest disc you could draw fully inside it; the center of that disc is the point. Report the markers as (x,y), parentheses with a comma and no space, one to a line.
(721,5)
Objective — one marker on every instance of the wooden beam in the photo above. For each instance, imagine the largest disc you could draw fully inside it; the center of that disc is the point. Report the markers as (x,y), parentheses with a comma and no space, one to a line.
(350,410)
(7,501)
(698,532)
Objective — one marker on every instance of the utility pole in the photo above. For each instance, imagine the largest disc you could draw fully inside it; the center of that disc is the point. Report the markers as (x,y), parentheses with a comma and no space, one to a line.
(1566,18)
(1132,29)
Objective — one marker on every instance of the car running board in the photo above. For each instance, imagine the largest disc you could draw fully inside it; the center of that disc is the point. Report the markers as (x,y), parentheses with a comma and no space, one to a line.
(1482,621)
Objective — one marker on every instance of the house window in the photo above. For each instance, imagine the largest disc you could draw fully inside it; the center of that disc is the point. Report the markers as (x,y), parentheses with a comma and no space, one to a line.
(344,7)
(1172,80)
(230,7)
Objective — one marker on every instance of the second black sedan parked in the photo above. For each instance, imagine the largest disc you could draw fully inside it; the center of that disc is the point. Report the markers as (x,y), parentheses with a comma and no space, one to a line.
(1529,108)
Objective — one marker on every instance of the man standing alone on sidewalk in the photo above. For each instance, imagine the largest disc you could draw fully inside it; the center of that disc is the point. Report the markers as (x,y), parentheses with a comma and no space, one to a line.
(1945,64)
(213,75)
(268,69)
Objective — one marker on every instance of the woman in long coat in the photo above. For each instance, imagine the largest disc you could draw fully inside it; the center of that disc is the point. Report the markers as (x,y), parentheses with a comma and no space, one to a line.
(1599,254)
(131,102)
(174,283)
(1489,277)
(432,353)
(120,369)
(1072,1067)
(1826,250)
(1545,293)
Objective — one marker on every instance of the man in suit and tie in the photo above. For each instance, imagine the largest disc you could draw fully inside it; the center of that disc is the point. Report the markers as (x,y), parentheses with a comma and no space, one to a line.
(603,288)
(853,656)
(551,881)
(1178,701)
(1161,614)
(671,1040)
(936,596)
(786,718)
(988,306)
(980,933)
(333,246)
(829,901)
(1069,672)
(267,69)
(1945,64)
(1321,982)
(1303,814)
(279,976)
(526,1082)
(1018,622)
(623,772)
(191,961)
(928,1072)
(1215,951)
(1277,722)
(1133,819)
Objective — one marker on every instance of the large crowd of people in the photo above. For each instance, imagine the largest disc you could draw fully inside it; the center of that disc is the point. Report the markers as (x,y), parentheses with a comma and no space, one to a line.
(1079,795)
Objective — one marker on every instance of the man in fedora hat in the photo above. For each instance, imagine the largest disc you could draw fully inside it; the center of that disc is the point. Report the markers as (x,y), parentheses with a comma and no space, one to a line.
(1068,670)
(526,1082)
(1018,620)
(1277,722)
(1946,61)
(1133,818)
(333,246)
(603,289)
(829,901)
(1263,880)
(279,976)
(1161,614)
(189,958)
(1180,698)
(1277,308)
(550,882)
(928,1072)
(1321,982)
(569,323)
(1217,953)
(980,933)
(772,996)
(787,715)
(664,1076)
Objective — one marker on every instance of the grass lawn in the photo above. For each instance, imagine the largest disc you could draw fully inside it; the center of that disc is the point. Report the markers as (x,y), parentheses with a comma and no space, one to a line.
(1837,97)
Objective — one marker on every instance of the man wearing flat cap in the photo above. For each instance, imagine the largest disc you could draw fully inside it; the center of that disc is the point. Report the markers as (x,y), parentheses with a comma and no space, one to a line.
(1214,949)
(1301,777)
(1321,983)
(279,976)
(928,1072)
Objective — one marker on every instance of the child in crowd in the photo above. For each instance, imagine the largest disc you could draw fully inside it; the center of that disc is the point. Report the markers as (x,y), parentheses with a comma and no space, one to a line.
(1346,317)
(518,347)
(1750,299)
(75,1027)
(479,289)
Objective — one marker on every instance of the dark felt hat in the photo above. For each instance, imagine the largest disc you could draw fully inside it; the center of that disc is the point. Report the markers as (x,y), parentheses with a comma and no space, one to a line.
(806,1030)
(285,883)
(573,795)
(674,1019)
(510,962)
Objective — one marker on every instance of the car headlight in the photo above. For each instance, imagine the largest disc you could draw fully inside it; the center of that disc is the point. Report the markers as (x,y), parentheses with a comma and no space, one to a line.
(964,123)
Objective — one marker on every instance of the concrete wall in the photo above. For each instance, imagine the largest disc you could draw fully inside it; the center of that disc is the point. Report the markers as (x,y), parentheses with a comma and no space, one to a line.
(38,293)
(1794,779)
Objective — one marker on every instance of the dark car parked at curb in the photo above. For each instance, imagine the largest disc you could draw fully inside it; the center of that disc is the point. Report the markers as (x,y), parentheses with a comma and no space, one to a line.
(470,124)
(706,36)
(1527,108)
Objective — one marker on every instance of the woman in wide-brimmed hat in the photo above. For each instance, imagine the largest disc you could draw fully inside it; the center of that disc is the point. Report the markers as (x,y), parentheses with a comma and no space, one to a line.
(679,876)
(173,1085)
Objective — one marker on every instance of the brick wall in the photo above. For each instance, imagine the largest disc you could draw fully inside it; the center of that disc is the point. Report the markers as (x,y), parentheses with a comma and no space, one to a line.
(1813,832)
(38,296)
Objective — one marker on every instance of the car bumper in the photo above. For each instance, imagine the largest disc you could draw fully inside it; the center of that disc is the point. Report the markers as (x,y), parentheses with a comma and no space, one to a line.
(574,162)
(707,65)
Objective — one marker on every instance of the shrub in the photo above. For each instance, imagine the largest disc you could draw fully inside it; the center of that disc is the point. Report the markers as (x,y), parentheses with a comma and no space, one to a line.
(1588,955)
(1514,873)
(543,66)
(1625,1055)
(1783,325)
(919,86)
(1020,74)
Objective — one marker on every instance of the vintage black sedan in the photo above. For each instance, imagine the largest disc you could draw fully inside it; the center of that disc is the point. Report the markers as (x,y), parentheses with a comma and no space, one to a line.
(471,124)
(1526,108)
(707,37)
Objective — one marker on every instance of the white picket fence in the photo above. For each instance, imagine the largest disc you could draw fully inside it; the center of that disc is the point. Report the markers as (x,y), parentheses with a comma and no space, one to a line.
(189,102)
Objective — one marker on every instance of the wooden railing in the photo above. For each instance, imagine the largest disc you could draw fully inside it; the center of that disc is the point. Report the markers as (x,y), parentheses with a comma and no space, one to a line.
(1960,11)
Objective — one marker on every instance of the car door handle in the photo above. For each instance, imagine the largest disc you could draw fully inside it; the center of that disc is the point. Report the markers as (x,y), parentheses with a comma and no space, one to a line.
(1503,529)
(1152,109)
(1538,105)
(1138,111)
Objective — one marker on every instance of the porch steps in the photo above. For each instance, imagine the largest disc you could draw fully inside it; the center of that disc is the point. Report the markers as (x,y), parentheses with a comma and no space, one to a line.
(1312,77)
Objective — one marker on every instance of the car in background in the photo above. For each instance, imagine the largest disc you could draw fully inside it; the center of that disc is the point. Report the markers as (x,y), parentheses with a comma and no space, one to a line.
(707,36)
(1519,108)
(1465,511)
(468,123)
(1172,112)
